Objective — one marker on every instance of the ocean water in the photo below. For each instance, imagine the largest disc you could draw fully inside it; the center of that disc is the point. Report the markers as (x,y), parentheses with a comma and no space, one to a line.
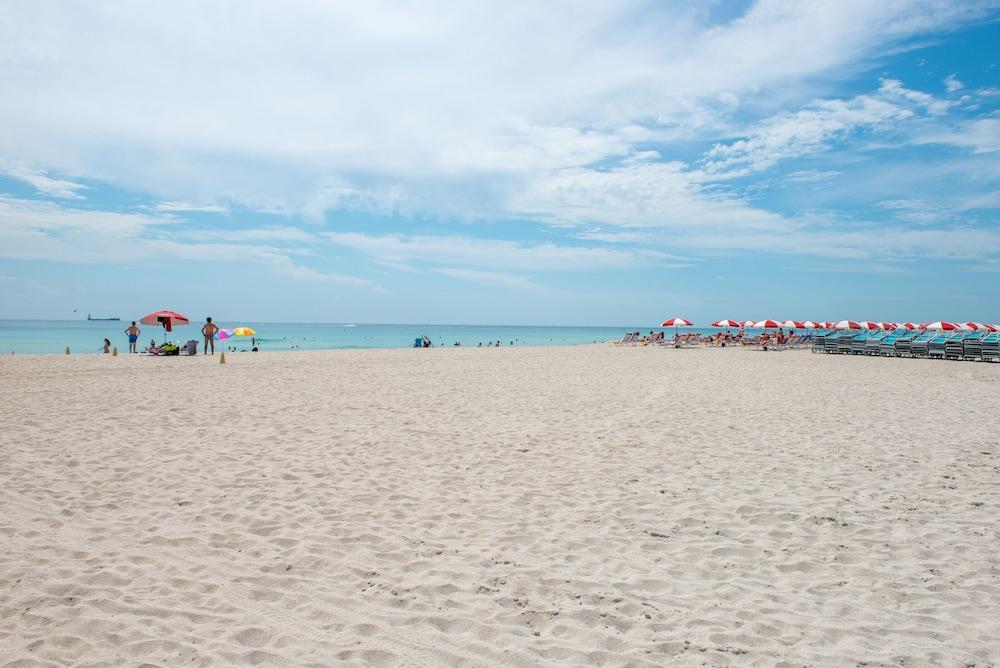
(82,336)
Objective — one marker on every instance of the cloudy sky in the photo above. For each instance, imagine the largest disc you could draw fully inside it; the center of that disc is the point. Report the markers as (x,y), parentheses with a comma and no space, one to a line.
(514,163)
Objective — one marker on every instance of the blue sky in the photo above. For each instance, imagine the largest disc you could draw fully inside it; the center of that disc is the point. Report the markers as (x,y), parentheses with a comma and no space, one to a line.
(501,163)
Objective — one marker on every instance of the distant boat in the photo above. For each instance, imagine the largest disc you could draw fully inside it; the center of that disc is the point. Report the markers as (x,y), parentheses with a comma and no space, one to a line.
(90,317)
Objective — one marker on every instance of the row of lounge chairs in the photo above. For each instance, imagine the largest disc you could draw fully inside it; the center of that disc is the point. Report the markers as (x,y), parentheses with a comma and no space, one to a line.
(905,343)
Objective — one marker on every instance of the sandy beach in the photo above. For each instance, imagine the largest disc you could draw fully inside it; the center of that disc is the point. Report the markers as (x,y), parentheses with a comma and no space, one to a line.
(512,507)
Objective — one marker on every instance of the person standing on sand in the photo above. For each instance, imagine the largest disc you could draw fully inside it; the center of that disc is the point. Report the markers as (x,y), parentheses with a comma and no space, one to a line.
(133,336)
(208,331)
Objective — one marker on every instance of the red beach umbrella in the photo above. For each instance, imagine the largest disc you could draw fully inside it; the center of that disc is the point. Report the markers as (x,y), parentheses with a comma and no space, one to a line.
(792,324)
(905,325)
(767,324)
(166,318)
(847,324)
(992,328)
(726,323)
(940,326)
(888,326)
(809,324)
(869,325)
(747,323)
(971,326)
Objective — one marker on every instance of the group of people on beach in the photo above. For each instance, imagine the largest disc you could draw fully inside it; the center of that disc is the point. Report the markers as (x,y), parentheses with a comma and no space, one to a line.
(721,339)
(208,330)
(424,342)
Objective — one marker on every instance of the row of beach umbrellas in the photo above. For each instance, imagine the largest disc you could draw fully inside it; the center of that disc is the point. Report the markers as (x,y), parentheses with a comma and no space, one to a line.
(842,324)
(170,319)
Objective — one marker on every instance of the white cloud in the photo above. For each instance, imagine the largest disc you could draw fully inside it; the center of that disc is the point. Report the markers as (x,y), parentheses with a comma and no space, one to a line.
(811,130)
(488,253)
(395,105)
(981,135)
(284,234)
(811,176)
(536,111)
(31,230)
(922,211)
(42,182)
(614,237)
(490,278)
(643,195)
(865,242)
(952,84)
(894,89)
(189,207)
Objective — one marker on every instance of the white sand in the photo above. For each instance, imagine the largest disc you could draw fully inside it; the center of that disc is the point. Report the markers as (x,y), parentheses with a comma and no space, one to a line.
(519,507)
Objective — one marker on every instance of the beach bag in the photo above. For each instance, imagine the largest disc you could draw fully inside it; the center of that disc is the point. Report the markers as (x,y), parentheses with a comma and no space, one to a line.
(170,349)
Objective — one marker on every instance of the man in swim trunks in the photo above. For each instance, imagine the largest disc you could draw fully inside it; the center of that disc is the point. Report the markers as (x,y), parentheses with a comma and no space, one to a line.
(133,336)
(208,331)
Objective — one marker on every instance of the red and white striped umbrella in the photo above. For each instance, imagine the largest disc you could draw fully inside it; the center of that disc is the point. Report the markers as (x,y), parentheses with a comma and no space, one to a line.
(847,324)
(971,326)
(809,324)
(869,325)
(747,323)
(888,326)
(905,325)
(676,322)
(767,324)
(940,326)
(726,323)
(829,325)
(793,324)
(990,327)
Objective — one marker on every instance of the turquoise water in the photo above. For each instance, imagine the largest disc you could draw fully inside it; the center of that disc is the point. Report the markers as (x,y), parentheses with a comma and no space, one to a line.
(52,336)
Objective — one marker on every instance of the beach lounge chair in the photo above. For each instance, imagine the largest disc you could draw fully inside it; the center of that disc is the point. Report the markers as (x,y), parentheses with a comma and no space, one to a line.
(887,345)
(935,347)
(990,347)
(972,346)
(630,338)
(903,342)
(873,343)
(656,339)
(844,342)
(819,343)
(954,347)
(919,345)
(859,343)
